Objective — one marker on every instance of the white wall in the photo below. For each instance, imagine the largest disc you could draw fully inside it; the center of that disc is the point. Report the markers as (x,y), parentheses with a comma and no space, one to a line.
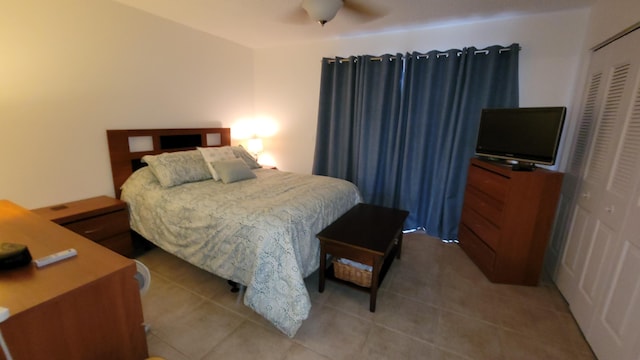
(609,17)
(287,79)
(70,69)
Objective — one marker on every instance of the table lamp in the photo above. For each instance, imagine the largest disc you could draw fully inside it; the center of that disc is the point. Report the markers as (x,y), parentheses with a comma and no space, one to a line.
(255,146)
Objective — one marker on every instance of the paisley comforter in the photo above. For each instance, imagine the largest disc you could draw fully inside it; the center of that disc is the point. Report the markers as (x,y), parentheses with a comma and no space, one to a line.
(257,232)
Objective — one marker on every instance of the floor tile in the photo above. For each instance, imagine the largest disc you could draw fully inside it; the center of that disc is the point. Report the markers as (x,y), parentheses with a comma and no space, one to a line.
(160,348)
(408,316)
(434,304)
(468,337)
(333,333)
(251,342)
(299,352)
(525,347)
(198,331)
(383,343)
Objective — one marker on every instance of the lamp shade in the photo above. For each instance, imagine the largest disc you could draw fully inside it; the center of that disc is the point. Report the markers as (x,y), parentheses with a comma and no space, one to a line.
(255,145)
(322,11)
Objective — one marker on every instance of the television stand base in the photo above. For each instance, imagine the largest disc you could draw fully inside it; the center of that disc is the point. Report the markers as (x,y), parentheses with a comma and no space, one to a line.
(523,166)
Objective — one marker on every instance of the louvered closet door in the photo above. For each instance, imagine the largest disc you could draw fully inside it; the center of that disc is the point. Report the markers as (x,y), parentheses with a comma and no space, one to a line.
(571,183)
(600,267)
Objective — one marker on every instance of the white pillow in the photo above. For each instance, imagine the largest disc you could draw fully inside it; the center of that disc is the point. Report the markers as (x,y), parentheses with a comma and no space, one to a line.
(213,154)
(233,170)
(177,168)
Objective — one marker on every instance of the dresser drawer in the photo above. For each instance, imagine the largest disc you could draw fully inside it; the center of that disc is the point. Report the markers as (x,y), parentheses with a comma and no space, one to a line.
(480,202)
(103,226)
(488,182)
(485,230)
(477,250)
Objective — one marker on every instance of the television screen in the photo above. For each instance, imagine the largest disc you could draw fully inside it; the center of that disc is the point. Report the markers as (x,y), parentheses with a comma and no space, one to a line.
(529,135)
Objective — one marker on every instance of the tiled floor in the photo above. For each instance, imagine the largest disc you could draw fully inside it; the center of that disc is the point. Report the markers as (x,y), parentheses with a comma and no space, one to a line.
(434,304)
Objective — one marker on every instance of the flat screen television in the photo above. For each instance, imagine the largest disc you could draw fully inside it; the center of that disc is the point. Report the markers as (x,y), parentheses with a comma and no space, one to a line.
(523,136)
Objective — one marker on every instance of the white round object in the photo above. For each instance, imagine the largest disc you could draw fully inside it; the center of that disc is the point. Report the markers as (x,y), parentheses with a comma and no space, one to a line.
(143,276)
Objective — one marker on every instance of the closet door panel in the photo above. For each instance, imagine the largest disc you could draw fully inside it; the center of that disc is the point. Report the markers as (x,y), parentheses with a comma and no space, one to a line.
(590,284)
(575,253)
(595,180)
(616,332)
(588,118)
(602,154)
(580,236)
(620,180)
(599,270)
(572,189)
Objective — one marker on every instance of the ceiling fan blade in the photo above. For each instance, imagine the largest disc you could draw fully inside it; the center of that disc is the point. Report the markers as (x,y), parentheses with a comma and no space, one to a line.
(367,12)
(296,16)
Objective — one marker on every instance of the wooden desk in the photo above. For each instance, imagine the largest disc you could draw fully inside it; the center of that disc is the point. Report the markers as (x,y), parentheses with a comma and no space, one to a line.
(85,307)
(368,234)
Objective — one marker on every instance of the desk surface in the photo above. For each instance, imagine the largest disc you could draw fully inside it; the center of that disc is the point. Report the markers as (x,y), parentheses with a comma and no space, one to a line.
(366,226)
(26,287)
(84,307)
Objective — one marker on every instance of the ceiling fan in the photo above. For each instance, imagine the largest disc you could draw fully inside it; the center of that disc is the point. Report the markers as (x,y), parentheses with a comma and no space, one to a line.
(323,11)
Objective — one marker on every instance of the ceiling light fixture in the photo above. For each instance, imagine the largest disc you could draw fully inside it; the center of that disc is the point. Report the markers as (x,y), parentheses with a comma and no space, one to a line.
(322,11)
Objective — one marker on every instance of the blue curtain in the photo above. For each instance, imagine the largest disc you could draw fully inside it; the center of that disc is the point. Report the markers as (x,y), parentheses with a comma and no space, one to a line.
(403,128)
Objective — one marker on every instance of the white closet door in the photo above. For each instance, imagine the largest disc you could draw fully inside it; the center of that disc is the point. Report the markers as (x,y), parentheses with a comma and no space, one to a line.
(590,109)
(616,328)
(574,252)
(599,258)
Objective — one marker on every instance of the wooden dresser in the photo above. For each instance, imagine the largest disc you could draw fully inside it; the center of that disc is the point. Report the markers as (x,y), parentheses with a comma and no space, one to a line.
(507,218)
(84,307)
(102,219)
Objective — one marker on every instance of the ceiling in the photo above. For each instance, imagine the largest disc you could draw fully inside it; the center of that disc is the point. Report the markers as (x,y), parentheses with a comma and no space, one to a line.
(268,23)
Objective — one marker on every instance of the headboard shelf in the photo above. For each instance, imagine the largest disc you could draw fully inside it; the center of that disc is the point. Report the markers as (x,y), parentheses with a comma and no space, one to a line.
(127,147)
(138,154)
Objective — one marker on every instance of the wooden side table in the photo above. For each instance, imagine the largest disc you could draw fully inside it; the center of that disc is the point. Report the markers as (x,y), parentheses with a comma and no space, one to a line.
(368,234)
(102,219)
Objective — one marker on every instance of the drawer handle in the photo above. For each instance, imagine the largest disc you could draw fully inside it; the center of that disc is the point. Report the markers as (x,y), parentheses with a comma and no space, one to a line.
(91,231)
(586,195)
(610,209)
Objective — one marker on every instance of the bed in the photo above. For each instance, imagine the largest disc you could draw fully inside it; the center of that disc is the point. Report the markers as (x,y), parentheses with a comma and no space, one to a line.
(258,230)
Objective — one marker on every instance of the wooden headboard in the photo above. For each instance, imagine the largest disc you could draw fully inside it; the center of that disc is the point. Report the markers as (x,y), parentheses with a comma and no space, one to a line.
(127,147)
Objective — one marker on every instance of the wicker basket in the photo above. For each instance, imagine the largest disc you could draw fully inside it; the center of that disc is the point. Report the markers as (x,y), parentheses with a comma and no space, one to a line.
(352,274)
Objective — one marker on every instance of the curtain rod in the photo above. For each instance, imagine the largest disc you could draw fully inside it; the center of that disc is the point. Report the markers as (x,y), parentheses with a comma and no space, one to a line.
(422,56)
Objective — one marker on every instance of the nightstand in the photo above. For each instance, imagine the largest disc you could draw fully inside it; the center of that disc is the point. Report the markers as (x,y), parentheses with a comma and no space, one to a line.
(102,219)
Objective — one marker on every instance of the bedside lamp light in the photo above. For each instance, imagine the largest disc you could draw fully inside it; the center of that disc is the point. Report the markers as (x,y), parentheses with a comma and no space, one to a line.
(255,146)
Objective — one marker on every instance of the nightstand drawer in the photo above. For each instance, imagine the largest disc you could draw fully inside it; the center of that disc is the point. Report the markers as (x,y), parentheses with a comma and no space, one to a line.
(120,243)
(102,227)
(102,219)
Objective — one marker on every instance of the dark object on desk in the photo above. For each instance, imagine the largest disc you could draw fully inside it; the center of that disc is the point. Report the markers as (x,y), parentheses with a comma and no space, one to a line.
(13,256)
